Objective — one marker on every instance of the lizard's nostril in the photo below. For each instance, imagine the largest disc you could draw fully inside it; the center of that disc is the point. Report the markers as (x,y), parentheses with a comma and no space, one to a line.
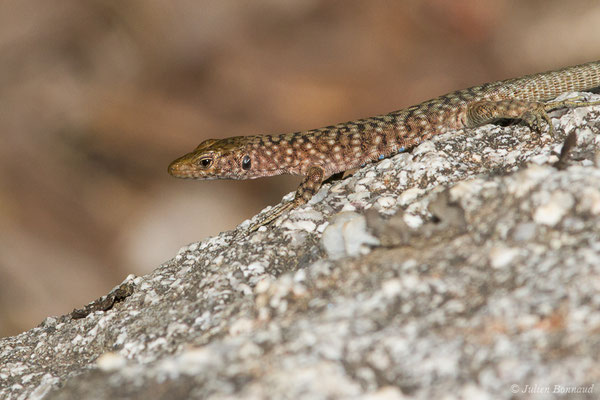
(173,168)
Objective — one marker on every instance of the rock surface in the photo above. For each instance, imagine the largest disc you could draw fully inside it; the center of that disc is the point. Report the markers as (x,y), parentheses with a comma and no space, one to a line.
(466,269)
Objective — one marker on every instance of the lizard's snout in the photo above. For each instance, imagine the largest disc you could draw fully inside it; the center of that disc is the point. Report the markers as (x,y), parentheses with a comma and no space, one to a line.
(177,169)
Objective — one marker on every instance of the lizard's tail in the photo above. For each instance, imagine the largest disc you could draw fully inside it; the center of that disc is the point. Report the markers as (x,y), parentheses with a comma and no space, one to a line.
(548,85)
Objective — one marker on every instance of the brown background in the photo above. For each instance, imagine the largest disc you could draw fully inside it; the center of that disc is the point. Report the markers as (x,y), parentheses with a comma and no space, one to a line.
(96,97)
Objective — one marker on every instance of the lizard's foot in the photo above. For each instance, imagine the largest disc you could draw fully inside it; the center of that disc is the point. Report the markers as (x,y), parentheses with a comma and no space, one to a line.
(554,105)
(573,102)
(263,220)
(271,215)
(535,118)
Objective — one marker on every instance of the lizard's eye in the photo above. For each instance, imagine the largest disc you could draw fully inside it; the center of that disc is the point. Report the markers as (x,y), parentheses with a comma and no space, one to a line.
(205,162)
(246,163)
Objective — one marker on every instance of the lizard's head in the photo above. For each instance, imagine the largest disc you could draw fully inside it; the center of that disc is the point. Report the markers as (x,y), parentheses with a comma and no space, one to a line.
(215,159)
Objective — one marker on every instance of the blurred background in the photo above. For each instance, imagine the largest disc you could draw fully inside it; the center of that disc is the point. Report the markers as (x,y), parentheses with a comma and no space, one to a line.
(98,96)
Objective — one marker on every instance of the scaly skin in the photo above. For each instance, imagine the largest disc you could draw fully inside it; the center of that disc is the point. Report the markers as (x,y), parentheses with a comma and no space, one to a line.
(317,154)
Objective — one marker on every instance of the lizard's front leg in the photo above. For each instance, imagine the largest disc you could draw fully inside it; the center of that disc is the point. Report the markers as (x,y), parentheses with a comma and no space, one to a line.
(307,189)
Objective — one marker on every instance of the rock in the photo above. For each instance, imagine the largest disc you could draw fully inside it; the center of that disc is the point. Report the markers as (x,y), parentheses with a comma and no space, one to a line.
(496,288)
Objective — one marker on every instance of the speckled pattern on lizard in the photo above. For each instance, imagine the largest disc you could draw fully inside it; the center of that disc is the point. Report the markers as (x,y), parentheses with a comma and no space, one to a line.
(319,153)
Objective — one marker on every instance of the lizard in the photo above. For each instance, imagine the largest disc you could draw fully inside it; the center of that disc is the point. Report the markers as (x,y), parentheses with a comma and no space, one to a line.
(317,154)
